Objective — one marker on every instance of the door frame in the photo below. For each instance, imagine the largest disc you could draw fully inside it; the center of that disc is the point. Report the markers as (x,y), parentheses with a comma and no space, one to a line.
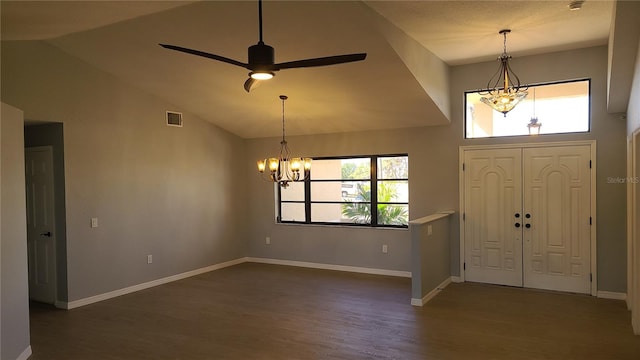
(632,172)
(593,240)
(633,229)
(54,256)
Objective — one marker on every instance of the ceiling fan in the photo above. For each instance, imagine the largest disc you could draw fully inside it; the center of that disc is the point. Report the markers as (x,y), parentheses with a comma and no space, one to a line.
(261,62)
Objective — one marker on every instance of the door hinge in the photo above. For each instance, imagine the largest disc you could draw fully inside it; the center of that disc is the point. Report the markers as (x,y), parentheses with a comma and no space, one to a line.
(462,166)
(464,266)
(590,220)
(590,277)
(589,164)
(464,216)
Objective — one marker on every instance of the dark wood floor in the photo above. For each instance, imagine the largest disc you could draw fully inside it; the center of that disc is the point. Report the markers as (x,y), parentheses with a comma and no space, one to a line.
(259,311)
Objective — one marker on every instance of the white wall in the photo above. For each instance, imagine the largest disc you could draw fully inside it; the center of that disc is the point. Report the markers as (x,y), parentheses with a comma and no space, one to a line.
(170,192)
(14,293)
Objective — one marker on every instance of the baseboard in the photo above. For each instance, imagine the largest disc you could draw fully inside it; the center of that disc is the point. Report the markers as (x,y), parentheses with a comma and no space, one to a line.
(432,293)
(611,295)
(456,279)
(355,269)
(111,294)
(25,354)
(115,293)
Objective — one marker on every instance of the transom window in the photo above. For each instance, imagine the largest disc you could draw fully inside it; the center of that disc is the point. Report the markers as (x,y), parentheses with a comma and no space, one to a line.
(557,108)
(343,190)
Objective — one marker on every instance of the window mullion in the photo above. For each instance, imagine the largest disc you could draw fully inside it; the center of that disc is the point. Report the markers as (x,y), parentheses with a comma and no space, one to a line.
(279,194)
(374,190)
(307,199)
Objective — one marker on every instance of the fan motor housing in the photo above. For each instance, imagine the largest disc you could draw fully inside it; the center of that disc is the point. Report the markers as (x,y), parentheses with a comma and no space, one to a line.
(260,54)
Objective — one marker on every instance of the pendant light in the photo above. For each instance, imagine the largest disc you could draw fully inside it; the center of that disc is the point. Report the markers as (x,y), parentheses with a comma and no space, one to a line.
(534,123)
(284,169)
(504,90)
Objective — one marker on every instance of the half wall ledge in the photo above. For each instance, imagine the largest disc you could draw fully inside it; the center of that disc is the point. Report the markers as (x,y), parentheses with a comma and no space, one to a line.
(430,257)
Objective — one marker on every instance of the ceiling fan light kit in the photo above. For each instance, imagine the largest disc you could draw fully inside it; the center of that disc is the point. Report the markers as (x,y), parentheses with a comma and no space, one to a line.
(504,90)
(261,75)
(261,59)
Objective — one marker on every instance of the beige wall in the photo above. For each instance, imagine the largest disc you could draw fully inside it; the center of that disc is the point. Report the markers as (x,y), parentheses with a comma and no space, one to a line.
(165,191)
(433,172)
(633,126)
(14,301)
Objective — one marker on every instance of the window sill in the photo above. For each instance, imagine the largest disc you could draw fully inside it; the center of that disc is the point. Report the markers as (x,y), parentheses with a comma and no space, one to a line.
(344,226)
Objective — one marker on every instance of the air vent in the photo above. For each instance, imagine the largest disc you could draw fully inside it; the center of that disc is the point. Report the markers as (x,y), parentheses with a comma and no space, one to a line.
(174,118)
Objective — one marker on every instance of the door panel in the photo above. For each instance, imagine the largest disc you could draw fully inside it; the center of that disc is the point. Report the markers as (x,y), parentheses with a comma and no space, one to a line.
(557,196)
(493,243)
(40,224)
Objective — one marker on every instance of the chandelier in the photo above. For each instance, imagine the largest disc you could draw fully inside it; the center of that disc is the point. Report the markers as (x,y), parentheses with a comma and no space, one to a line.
(284,169)
(504,91)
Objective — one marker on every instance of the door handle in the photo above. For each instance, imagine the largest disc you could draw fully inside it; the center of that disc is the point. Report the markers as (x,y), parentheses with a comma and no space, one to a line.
(517,225)
(47,234)
(527,225)
(517,215)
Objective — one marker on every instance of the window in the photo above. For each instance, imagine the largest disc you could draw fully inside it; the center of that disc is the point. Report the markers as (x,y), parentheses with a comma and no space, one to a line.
(559,108)
(342,191)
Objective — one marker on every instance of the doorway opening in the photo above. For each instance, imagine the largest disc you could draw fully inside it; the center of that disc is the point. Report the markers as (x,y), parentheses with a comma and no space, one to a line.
(46,213)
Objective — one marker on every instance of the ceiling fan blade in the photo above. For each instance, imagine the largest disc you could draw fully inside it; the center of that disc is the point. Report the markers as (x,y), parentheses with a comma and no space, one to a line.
(323,61)
(205,54)
(251,84)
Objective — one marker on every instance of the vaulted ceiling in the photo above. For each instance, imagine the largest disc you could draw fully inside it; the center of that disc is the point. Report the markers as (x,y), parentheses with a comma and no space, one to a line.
(411,46)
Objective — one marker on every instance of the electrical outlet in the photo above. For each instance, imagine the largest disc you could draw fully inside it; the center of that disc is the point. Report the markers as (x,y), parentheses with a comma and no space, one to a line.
(429,230)
(385,249)
(149,259)
(94,222)
(267,240)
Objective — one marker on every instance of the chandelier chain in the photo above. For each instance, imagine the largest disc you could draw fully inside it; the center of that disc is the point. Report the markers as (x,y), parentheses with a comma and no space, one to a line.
(283,119)
(504,44)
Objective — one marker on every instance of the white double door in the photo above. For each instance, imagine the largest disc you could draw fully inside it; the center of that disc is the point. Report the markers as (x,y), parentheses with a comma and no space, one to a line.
(527,217)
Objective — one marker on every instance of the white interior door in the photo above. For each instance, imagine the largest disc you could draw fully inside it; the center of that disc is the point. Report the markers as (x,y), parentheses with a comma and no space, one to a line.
(557,208)
(527,217)
(492,211)
(40,224)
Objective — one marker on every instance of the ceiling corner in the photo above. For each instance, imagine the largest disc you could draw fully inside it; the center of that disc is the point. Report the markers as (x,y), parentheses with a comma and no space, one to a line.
(624,38)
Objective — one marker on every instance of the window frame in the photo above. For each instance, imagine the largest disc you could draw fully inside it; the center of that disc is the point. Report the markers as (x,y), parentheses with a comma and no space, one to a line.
(373,182)
(588,80)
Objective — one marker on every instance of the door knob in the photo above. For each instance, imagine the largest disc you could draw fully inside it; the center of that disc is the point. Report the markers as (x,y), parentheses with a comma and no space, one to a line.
(517,225)
(527,216)
(527,225)
(48,234)
(517,215)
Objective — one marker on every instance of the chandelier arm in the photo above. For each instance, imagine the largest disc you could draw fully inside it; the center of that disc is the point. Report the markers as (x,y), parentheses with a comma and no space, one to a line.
(496,76)
(517,85)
